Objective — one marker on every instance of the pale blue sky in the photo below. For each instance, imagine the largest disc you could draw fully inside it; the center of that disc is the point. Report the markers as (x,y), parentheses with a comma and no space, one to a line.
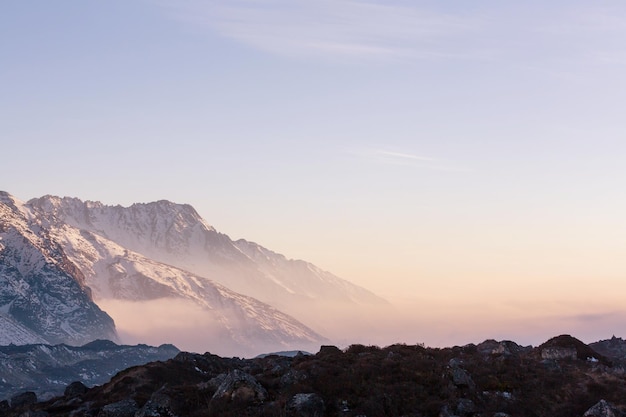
(400,144)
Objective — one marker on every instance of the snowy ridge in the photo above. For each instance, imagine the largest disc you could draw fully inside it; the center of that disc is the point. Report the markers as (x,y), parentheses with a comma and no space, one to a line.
(175,234)
(76,238)
(13,332)
(113,272)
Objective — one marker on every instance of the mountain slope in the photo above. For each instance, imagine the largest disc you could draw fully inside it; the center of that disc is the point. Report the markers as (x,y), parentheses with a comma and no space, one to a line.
(48,369)
(175,234)
(42,294)
(153,300)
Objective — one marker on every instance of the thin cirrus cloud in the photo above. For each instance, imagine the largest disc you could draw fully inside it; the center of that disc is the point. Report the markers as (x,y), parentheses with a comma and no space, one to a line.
(401,158)
(346,28)
(404,156)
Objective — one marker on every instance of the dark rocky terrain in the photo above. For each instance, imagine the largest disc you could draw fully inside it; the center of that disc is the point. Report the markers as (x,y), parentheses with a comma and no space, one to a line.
(46,370)
(562,377)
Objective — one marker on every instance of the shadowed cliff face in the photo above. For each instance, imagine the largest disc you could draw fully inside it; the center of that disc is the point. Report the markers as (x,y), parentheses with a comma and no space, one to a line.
(488,379)
(43,296)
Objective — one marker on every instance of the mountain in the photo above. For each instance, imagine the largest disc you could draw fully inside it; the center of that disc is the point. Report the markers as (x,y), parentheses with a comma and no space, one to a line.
(175,234)
(162,249)
(48,369)
(43,295)
(162,272)
(614,348)
(492,378)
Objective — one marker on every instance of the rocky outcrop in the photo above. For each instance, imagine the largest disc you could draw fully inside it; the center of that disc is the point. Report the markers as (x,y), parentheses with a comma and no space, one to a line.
(23,399)
(240,387)
(602,409)
(558,353)
(306,405)
(124,408)
(613,348)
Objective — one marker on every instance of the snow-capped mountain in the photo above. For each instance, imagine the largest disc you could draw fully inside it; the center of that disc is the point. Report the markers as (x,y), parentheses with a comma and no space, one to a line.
(160,268)
(43,295)
(175,234)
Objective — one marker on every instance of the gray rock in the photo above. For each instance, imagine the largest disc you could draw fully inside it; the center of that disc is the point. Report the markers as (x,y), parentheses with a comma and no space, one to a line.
(465,407)
(445,412)
(159,405)
(291,377)
(329,350)
(240,386)
(124,408)
(602,409)
(30,413)
(23,399)
(557,353)
(75,389)
(462,379)
(306,405)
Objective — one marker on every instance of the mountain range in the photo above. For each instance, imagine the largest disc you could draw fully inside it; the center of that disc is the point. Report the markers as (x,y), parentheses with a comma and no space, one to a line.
(47,370)
(156,267)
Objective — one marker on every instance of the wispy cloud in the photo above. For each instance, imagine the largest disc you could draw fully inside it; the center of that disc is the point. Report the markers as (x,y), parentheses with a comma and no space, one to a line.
(401,156)
(383,156)
(347,28)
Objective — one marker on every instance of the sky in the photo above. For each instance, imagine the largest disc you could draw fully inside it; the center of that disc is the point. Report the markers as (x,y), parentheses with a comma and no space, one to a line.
(466,157)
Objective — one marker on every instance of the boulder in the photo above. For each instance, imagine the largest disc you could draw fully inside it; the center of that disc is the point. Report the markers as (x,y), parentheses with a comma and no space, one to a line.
(30,413)
(329,350)
(159,405)
(242,387)
(23,399)
(602,409)
(556,353)
(462,379)
(124,408)
(306,405)
(465,407)
(75,389)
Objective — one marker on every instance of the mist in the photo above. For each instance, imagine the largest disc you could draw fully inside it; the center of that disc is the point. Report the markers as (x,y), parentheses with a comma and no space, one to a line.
(411,321)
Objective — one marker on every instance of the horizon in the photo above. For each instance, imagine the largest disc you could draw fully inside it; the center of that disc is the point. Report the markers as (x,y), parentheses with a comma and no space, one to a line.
(464,161)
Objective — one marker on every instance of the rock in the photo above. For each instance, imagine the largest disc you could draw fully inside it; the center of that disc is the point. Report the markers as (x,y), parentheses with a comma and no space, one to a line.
(25,398)
(329,350)
(75,389)
(462,379)
(240,386)
(465,407)
(445,412)
(555,353)
(602,409)
(291,377)
(34,414)
(124,408)
(159,405)
(306,405)
(495,348)
(152,409)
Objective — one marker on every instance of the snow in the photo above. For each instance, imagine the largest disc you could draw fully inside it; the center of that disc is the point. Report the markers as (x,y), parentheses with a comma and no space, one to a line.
(165,250)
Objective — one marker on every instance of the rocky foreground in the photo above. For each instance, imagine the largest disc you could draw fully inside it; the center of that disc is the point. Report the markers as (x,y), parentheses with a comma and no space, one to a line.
(562,377)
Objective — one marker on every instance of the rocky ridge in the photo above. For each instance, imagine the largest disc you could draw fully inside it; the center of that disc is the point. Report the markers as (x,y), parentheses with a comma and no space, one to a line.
(46,370)
(493,378)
